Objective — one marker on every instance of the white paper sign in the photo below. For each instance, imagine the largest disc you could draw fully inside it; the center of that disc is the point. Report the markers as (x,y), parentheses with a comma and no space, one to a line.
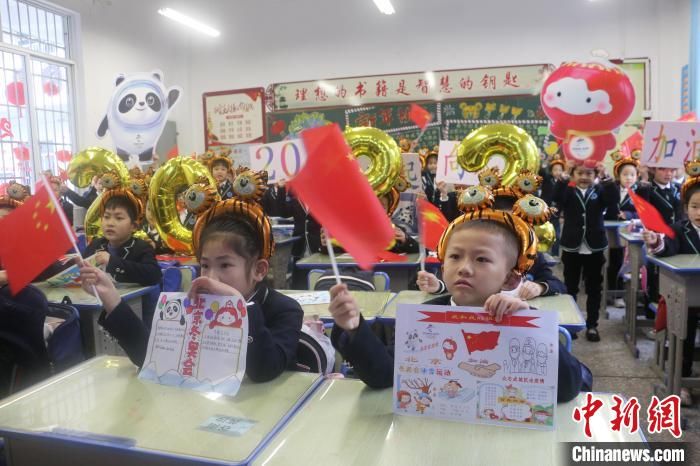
(312,297)
(282,160)
(199,345)
(456,363)
(670,143)
(449,171)
(412,169)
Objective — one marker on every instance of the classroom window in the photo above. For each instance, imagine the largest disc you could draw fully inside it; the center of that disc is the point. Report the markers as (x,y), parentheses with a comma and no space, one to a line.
(37,107)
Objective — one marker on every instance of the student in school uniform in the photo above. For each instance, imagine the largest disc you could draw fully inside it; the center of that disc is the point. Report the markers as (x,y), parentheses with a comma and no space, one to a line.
(665,196)
(437,193)
(221,169)
(482,253)
(233,243)
(274,200)
(626,174)
(687,241)
(583,239)
(86,199)
(67,207)
(125,258)
(549,181)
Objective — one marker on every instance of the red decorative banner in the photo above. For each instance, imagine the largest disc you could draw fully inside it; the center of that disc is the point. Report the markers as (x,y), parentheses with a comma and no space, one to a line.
(454,317)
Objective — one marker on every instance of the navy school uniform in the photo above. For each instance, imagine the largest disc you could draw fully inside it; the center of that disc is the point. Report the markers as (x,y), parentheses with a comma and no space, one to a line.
(274,325)
(584,226)
(374,363)
(273,201)
(687,241)
(616,255)
(449,207)
(226,190)
(132,262)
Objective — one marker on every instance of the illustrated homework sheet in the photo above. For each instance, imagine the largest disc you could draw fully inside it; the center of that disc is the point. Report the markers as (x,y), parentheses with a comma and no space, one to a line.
(456,363)
(199,344)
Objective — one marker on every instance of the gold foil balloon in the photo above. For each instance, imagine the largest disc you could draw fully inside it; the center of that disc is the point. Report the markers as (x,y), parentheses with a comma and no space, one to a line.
(383,152)
(95,161)
(546,236)
(169,181)
(509,141)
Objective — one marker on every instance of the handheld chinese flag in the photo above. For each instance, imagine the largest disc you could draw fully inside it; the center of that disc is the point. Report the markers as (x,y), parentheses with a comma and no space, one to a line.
(650,217)
(432,223)
(33,236)
(420,116)
(632,143)
(480,341)
(339,197)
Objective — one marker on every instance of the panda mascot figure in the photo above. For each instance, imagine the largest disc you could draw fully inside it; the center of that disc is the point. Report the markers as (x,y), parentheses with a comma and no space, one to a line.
(137,113)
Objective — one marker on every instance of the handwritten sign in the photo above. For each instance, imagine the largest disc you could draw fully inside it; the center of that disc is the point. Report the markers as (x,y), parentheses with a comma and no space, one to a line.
(234,117)
(456,363)
(449,171)
(282,160)
(670,143)
(409,87)
(198,344)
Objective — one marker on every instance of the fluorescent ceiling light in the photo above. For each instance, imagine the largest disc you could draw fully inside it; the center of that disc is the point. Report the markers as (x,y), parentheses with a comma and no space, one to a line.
(385,6)
(189,22)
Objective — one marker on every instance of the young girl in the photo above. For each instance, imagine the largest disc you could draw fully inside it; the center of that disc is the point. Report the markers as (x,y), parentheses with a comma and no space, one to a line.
(687,241)
(626,174)
(233,243)
(221,167)
(583,237)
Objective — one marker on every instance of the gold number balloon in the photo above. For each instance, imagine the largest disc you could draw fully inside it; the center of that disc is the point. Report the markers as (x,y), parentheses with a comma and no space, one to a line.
(383,152)
(509,141)
(171,179)
(95,161)
(545,236)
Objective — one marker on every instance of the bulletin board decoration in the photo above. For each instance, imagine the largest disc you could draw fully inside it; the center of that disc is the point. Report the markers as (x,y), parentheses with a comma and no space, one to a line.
(234,117)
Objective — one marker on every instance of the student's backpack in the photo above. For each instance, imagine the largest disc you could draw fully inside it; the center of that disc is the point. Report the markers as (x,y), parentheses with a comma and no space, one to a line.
(355,279)
(315,352)
(65,345)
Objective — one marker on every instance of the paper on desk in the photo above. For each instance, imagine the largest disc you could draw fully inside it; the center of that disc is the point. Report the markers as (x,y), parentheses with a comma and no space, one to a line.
(69,277)
(199,344)
(312,297)
(456,363)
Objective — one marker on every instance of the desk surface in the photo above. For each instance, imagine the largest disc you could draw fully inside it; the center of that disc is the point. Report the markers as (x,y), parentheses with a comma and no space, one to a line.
(569,312)
(632,238)
(322,261)
(681,264)
(103,396)
(371,303)
(282,240)
(80,297)
(364,431)
(612,224)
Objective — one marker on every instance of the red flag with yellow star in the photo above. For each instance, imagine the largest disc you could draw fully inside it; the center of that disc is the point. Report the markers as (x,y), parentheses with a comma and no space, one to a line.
(33,236)
(432,223)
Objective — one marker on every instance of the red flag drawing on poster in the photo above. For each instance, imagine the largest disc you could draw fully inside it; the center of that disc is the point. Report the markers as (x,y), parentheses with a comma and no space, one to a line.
(481,341)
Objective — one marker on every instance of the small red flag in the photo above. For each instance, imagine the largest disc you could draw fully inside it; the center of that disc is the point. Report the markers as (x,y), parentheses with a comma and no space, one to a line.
(388,256)
(432,223)
(650,217)
(480,341)
(420,116)
(632,143)
(33,236)
(332,186)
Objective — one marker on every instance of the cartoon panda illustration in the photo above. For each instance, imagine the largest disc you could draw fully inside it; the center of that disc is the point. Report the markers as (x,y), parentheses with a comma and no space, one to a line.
(136,114)
(172,310)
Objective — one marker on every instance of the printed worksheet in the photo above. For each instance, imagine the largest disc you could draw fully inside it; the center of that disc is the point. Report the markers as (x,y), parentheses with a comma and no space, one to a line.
(457,363)
(198,344)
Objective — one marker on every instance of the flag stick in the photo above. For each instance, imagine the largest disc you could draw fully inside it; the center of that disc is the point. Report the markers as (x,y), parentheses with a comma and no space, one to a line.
(334,263)
(414,144)
(66,226)
(421,241)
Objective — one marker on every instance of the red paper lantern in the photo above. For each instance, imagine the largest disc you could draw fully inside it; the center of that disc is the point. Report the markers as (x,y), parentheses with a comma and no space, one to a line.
(15,94)
(64,156)
(51,88)
(21,153)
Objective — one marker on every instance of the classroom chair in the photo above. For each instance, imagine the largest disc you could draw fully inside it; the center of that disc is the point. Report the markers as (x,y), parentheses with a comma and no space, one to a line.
(380,280)
(565,338)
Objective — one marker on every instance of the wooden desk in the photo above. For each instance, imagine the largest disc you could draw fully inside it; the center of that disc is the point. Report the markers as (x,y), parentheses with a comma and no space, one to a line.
(400,273)
(569,314)
(372,304)
(347,423)
(97,341)
(679,280)
(100,413)
(637,256)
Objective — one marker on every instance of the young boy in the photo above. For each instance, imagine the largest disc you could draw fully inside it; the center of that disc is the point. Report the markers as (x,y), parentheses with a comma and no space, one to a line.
(583,237)
(221,167)
(687,241)
(479,261)
(126,258)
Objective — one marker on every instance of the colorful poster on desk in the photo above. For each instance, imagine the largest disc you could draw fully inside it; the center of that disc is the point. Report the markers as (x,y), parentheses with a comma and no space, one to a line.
(456,363)
(200,345)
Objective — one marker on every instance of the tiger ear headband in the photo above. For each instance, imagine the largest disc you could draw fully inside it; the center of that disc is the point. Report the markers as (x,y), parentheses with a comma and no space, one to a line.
(113,188)
(202,199)
(621,160)
(15,195)
(525,183)
(477,203)
(692,169)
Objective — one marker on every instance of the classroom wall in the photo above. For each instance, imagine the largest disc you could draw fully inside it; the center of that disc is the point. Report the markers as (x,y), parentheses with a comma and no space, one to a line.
(308,39)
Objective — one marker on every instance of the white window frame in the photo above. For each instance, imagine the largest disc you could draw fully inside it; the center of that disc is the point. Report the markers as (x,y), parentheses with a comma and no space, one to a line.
(71,64)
